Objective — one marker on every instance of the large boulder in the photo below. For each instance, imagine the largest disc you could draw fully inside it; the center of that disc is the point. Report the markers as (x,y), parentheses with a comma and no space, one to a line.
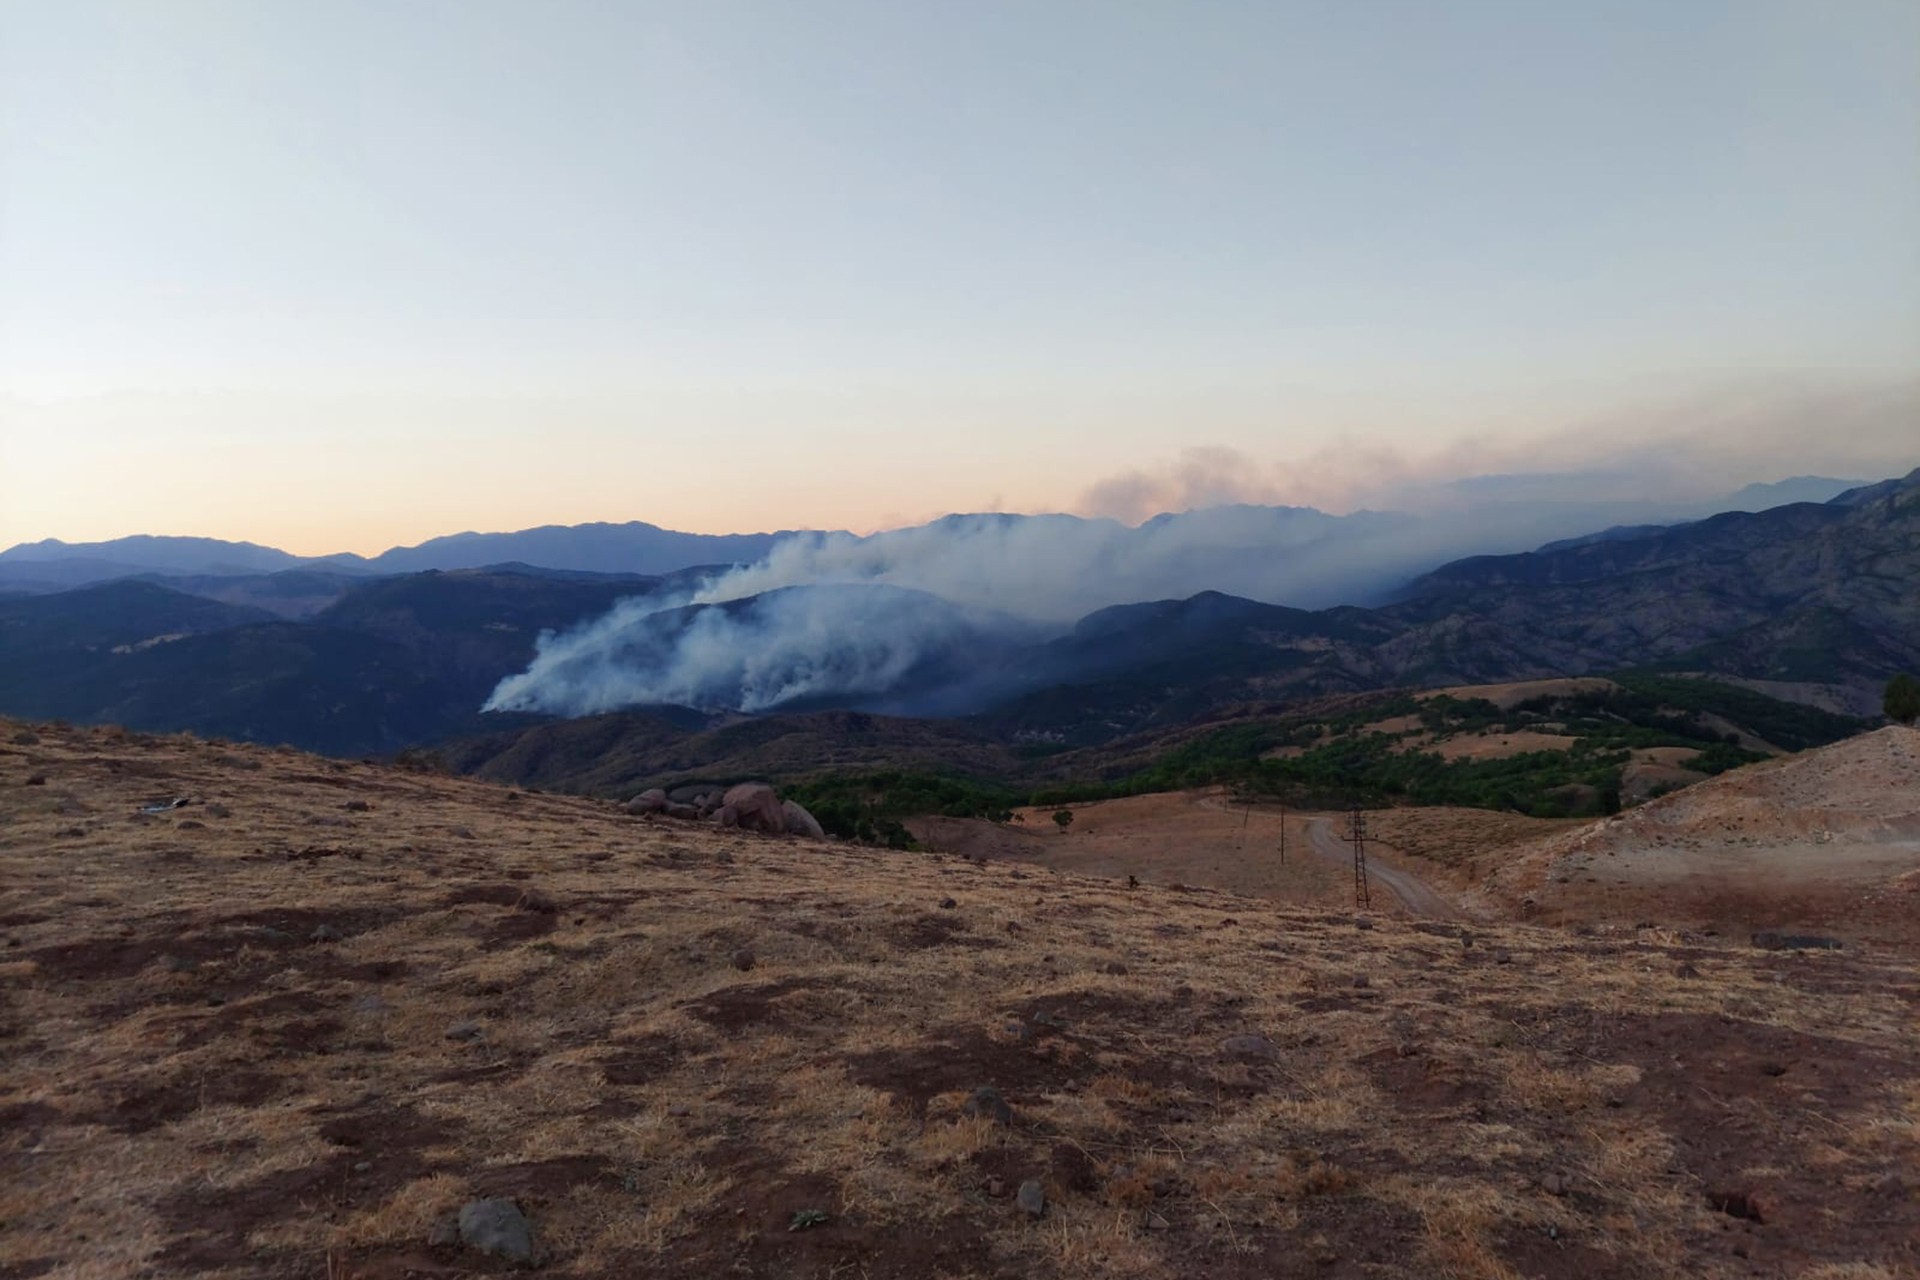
(755,808)
(802,823)
(654,801)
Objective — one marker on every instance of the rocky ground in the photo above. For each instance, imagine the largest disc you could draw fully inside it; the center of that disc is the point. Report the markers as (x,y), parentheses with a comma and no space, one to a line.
(331,1020)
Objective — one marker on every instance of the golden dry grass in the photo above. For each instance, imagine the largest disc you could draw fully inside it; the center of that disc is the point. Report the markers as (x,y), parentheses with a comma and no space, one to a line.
(196,1086)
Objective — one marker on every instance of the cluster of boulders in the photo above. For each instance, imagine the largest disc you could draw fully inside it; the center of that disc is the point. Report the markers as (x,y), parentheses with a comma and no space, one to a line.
(749,806)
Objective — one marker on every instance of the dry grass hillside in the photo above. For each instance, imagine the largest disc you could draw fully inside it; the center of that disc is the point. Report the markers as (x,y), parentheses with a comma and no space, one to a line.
(1827,837)
(286,1029)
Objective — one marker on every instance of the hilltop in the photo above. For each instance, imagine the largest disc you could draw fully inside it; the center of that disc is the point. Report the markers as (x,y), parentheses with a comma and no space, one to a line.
(287,1027)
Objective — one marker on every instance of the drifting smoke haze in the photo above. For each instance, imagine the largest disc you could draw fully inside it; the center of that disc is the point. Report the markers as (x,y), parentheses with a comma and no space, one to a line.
(837,616)
(771,650)
(931,602)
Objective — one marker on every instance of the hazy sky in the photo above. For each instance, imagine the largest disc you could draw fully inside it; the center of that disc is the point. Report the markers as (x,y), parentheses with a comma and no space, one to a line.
(336,276)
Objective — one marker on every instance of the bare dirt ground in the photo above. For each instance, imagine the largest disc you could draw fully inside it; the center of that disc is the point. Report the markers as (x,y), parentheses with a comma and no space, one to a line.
(285,1029)
(1828,838)
(1195,837)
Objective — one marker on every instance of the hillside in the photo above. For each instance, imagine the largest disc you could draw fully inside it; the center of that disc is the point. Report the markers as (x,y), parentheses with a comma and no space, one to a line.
(1810,602)
(1818,592)
(286,1029)
(1828,837)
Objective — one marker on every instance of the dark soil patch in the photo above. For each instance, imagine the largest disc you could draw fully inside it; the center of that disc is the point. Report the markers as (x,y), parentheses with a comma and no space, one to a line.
(748,1235)
(945,930)
(963,1061)
(642,1062)
(1736,1096)
(515,927)
(538,1180)
(140,1109)
(1423,1083)
(494,895)
(737,1008)
(212,1224)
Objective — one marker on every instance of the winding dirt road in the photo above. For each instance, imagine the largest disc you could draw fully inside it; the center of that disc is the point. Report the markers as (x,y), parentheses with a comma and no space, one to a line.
(1414,894)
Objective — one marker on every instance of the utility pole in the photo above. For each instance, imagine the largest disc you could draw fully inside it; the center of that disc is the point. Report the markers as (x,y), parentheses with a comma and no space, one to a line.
(1357,832)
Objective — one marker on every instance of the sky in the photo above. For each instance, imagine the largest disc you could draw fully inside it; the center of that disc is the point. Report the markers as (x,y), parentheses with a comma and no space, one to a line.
(341,276)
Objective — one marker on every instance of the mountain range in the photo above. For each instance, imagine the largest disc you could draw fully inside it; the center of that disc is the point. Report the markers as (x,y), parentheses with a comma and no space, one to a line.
(1501,513)
(1809,600)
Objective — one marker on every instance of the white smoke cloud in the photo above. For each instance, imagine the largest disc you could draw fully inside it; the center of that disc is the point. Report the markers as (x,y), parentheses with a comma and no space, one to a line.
(776,649)
(994,575)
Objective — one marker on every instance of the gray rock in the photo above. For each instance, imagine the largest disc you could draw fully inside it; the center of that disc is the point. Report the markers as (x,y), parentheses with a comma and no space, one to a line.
(755,808)
(684,812)
(948,904)
(800,822)
(1249,1049)
(727,816)
(654,801)
(1032,1198)
(988,1103)
(743,959)
(325,933)
(468,1030)
(445,1232)
(497,1227)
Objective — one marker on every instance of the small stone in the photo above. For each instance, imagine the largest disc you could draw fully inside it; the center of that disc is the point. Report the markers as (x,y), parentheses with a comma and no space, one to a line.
(325,933)
(1362,923)
(996,1188)
(1157,1223)
(743,959)
(1503,956)
(948,904)
(679,1110)
(1554,1184)
(1466,939)
(988,1103)
(217,810)
(537,902)
(1115,968)
(361,1166)
(1017,1031)
(356,806)
(497,1227)
(1686,971)
(466,1031)
(37,780)
(1032,1198)
(1361,982)
(180,964)
(445,1232)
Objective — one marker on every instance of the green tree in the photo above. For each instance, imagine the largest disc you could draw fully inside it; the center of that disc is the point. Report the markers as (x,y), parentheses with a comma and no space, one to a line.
(1902,703)
(1064,817)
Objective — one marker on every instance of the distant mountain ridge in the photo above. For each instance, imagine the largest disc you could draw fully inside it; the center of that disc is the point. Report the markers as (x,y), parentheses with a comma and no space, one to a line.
(637,547)
(1801,595)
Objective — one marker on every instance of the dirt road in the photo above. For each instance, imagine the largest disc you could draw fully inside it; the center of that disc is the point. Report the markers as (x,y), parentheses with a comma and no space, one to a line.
(1414,894)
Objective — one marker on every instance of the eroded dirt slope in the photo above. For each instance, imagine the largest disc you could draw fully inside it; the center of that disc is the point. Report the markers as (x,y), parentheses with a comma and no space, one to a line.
(1828,837)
